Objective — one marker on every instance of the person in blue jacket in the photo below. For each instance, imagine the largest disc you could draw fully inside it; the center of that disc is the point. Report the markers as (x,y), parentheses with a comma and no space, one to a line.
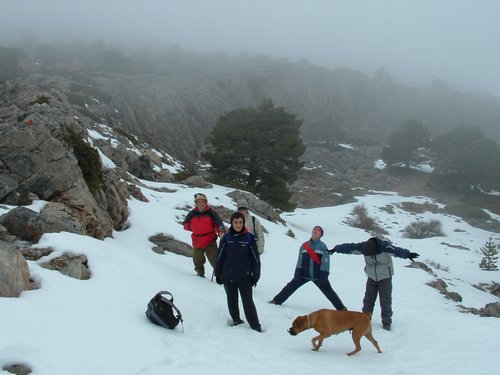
(313,265)
(379,269)
(238,268)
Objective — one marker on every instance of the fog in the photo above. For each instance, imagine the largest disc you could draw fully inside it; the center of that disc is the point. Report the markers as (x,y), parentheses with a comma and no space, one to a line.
(416,41)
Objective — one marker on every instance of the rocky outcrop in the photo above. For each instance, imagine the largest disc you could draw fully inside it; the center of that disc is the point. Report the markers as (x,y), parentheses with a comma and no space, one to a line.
(38,156)
(177,110)
(441,286)
(29,225)
(75,266)
(14,272)
(168,243)
(489,310)
(18,222)
(17,369)
(256,206)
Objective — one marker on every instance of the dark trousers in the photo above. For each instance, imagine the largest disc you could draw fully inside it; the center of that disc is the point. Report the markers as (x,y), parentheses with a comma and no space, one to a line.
(245,290)
(296,283)
(383,289)
(199,257)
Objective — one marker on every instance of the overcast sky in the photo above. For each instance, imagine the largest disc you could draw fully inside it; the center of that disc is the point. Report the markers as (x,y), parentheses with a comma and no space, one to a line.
(415,40)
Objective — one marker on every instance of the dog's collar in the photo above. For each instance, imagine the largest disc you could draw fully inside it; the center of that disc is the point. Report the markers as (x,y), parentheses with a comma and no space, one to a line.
(308,322)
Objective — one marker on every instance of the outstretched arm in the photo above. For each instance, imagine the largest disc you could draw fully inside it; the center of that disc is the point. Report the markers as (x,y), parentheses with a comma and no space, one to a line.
(347,248)
(400,252)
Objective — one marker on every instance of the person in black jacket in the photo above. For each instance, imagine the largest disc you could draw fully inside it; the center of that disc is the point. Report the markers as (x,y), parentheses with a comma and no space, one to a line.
(238,268)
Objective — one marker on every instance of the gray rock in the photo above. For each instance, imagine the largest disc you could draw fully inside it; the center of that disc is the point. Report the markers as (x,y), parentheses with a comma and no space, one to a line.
(256,206)
(70,265)
(54,218)
(115,198)
(17,369)
(438,284)
(36,161)
(17,223)
(454,296)
(168,243)
(14,272)
(491,310)
(7,185)
(197,181)
(136,192)
(5,236)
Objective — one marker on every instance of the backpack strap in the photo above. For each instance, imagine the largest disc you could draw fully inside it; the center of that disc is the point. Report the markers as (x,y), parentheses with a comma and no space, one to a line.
(170,301)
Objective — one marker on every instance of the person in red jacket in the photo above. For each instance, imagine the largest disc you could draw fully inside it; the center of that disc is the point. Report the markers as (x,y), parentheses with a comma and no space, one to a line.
(205,225)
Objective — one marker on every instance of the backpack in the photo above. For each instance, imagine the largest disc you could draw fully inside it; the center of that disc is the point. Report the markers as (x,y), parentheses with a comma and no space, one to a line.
(161,311)
(261,251)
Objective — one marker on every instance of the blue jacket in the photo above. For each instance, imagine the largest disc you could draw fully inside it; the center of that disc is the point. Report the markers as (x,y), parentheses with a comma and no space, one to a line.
(378,266)
(238,257)
(306,268)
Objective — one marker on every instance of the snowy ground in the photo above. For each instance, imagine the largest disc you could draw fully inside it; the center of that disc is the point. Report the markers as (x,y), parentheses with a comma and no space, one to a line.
(98,326)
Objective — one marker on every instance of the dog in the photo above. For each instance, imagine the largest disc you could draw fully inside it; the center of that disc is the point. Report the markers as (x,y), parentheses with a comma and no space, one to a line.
(331,322)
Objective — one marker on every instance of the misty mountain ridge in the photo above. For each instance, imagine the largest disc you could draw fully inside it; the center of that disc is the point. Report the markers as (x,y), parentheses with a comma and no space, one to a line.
(173,97)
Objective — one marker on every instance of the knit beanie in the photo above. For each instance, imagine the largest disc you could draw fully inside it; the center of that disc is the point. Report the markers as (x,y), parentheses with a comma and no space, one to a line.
(320,229)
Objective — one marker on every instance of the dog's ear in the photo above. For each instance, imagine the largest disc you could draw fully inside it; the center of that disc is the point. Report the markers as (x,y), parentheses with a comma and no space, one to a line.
(299,323)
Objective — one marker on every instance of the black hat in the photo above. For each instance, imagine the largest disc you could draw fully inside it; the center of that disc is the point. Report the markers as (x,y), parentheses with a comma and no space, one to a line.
(369,247)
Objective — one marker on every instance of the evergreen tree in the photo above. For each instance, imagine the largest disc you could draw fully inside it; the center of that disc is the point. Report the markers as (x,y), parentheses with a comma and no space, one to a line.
(258,149)
(465,158)
(404,143)
(490,256)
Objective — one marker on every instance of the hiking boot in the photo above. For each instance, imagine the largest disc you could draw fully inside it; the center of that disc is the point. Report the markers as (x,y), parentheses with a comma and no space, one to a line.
(387,327)
(200,275)
(343,309)
(272,302)
(237,322)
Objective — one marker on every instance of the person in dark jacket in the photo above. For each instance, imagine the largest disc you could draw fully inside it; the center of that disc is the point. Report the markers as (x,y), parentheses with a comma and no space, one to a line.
(379,269)
(313,265)
(205,225)
(238,268)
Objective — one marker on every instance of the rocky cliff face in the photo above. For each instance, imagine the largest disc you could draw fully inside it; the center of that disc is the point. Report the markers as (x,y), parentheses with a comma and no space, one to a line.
(37,158)
(175,108)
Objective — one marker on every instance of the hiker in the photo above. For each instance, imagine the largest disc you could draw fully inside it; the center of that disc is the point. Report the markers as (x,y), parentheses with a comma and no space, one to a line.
(253,225)
(238,268)
(313,265)
(205,225)
(379,269)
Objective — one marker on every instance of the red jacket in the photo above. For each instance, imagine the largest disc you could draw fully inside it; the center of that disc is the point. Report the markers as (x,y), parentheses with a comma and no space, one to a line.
(205,226)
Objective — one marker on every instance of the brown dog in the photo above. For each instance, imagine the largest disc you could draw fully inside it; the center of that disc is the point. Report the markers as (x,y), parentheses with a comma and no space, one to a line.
(332,322)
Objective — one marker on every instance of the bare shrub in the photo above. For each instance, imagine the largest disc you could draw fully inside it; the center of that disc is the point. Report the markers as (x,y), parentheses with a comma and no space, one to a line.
(424,229)
(361,220)
(439,266)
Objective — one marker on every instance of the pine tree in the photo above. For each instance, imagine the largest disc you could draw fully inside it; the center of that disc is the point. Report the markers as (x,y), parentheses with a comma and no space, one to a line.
(490,256)
(258,149)
(404,143)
